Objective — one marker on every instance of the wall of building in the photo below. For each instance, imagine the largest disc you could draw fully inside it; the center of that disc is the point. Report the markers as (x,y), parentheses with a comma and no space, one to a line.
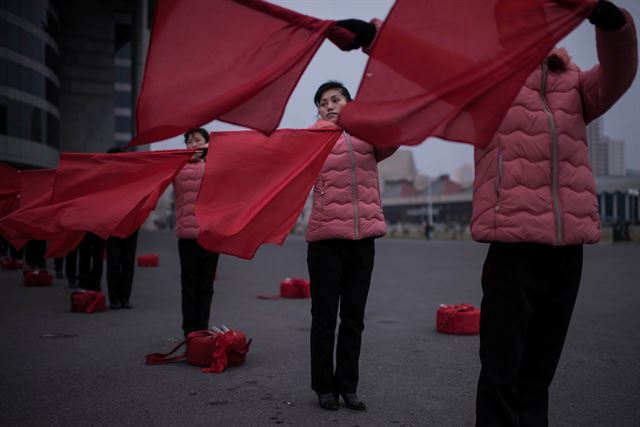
(87,75)
(29,83)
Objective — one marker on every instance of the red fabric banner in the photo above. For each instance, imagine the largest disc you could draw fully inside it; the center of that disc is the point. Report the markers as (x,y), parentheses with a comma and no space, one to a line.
(107,194)
(235,61)
(255,186)
(35,189)
(452,69)
(425,77)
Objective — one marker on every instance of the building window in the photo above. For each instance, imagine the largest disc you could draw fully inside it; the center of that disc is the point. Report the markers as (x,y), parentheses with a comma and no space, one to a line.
(53,131)
(24,121)
(20,41)
(123,99)
(27,80)
(3,116)
(123,124)
(123,74)
(36,124)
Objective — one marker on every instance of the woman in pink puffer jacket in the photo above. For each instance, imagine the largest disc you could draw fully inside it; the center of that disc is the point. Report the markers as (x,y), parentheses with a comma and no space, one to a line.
(535,202)
(197,265)
(345,219)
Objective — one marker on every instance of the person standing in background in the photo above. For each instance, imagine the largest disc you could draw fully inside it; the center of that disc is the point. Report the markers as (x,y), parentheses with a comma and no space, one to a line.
(346,217)
(90,263)
(197,265)
(121,257)
(534,202)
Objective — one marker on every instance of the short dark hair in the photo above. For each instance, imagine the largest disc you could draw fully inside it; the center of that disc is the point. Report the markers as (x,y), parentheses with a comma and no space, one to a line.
(201,131)
(331,84)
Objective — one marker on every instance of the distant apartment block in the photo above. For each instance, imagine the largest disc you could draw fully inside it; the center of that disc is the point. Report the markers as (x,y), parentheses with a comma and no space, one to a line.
(605,154)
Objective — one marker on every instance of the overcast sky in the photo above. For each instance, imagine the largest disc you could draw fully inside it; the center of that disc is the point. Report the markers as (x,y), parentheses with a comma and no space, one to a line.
(433,157)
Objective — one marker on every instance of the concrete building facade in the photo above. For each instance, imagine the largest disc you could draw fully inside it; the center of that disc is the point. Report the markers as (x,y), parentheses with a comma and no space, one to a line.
(68,76)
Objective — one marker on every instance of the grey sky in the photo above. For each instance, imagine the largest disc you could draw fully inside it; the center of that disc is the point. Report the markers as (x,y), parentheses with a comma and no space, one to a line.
(434,156)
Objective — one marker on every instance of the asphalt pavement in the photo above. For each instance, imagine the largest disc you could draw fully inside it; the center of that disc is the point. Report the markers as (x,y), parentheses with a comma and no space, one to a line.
(75,369)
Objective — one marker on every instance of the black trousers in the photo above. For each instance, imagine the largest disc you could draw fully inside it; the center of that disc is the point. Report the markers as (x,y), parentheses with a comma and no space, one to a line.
(34,252)
(121,258)
(529,291)
(15,253)
(340,273)
(71,266)
(197,272)
(4,247)
(91,259)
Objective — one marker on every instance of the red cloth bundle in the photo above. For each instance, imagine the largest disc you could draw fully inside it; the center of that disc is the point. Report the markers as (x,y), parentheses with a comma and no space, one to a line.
(295,288)
(87,301)
(150,260)
(212,349)
(291,288)
(10,263)
(458,319)
(37,278)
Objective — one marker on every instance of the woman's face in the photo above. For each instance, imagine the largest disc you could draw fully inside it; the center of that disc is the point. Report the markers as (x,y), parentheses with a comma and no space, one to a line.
(331,103)
(195,141)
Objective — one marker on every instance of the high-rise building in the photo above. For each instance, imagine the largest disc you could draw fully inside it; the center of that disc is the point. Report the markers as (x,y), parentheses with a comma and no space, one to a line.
(615,157)
(69,72)
(605,154)
(29,83)
(123,100)
(597,148)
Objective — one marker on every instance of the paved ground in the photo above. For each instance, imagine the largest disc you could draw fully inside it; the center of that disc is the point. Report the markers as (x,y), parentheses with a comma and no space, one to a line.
(92,372)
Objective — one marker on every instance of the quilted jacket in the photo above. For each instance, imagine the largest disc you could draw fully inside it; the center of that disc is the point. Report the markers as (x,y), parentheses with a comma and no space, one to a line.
(346,196)
(185,186)
(533,182)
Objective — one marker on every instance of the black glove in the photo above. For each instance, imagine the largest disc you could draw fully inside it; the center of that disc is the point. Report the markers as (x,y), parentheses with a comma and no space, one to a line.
(204,153)
(607,16)
(364,31)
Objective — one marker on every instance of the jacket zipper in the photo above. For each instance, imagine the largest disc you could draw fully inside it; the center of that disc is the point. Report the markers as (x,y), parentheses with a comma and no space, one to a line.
(554,154)
(498,180)
(355,184)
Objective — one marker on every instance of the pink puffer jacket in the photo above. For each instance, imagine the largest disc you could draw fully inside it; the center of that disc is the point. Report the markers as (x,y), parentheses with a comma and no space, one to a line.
(533,182)
(186,185)
(346,197)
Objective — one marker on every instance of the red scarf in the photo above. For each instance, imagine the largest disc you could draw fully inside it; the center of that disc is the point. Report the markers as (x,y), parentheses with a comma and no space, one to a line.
(448,69)
(255,186)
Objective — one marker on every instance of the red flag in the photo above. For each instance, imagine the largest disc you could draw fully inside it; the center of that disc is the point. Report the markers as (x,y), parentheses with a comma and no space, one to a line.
(35,189)
(107,194)
(9,189)
(236,61)
(452,69)
(60,248)
(255,186)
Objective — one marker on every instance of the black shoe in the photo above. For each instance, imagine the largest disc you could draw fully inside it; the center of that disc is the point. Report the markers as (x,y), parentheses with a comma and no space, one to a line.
(328,401)
(126,304)
(352,402)
(115,305)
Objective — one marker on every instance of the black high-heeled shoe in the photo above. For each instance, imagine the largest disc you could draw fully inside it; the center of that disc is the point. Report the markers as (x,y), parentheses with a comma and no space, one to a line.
(328,401)
(352,402)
